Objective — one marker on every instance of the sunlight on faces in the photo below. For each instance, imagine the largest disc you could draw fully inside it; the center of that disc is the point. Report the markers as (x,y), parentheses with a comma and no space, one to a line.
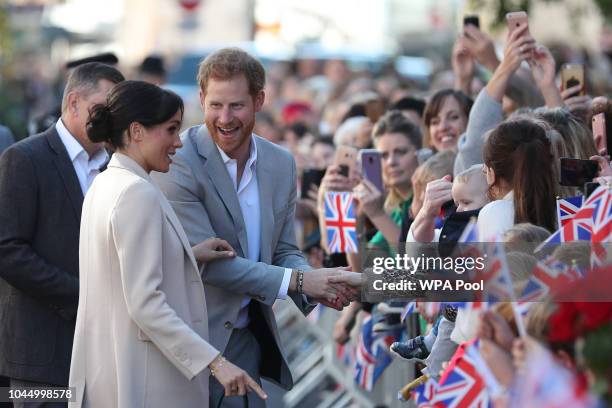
(446,127)
(471,195)
(158,143)
(229,113)
(399,159)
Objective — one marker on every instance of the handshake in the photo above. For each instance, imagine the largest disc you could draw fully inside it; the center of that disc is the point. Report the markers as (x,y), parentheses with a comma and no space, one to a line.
(333,287)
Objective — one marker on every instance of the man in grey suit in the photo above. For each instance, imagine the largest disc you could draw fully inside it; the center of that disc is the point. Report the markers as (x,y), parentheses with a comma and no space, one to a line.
(43,179)
(230,183)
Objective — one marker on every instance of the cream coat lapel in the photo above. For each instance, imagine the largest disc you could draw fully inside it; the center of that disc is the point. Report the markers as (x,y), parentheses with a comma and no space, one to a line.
(125,162)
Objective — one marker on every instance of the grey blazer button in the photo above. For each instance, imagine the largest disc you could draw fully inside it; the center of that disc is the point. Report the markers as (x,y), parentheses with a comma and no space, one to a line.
(261,298)
(228,325)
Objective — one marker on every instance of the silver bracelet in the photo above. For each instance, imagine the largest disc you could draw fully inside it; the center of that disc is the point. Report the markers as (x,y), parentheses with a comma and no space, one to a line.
(300,282)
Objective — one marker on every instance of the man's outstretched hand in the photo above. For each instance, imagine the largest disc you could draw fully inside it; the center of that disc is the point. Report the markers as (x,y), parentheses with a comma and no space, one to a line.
(332,287)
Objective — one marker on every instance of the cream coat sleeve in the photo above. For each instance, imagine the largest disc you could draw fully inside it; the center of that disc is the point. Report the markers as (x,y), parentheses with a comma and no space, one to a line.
(137,222)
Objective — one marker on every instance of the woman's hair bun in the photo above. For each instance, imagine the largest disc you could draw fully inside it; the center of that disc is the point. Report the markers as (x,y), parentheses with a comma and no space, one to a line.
(100,124)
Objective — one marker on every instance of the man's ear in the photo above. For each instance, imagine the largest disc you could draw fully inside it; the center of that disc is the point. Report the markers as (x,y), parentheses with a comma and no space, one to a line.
(202,98)
(72,103)
(259,100)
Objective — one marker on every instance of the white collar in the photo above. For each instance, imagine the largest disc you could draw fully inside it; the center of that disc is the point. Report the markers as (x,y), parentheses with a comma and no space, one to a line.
(252,155)
(74,148)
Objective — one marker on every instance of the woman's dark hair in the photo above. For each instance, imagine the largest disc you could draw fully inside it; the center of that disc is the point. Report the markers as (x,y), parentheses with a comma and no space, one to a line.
(433,107)
(129,102)
(395,121)
(520,154)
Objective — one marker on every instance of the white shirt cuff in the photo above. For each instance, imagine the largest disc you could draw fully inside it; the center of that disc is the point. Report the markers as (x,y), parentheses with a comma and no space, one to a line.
(284,287)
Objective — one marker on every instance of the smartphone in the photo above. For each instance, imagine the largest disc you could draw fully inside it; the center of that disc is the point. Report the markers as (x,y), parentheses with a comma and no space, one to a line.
(515,19)
(346,158)
(374,109)
(471,19)
(371,167)
(577,172)
(311,177)
(572,75)
(598,126)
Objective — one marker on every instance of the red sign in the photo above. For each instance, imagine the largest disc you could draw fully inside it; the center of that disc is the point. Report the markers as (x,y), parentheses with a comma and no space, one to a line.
(189,5)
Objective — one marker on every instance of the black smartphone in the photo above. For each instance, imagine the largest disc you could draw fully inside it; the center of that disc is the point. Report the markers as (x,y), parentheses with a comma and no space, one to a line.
(577,172)
(589,188)
(309,178)
(471,19)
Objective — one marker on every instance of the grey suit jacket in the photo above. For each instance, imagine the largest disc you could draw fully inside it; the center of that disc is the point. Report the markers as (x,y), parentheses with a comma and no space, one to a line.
(40,213)
(201,191)
(6,138)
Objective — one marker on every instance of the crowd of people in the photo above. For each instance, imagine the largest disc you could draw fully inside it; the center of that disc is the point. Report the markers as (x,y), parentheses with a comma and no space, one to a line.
(140,265)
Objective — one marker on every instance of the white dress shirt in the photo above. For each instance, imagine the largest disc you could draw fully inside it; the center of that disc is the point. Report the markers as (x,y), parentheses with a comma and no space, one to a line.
(86,168)
(248,197)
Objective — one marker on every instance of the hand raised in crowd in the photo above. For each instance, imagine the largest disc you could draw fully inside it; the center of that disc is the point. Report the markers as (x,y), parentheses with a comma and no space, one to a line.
(235,380)
(579,105)
(371,200)
(212,249)
(494,328)
(542,66)
(499,361)
(520,47)
(463,66)
(437,193)
(334,180)
(480,46)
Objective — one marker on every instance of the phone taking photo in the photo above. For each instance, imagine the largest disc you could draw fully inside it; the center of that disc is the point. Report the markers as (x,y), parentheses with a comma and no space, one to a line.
(516,19)
(571,76)
(471,20)
(346,158)
(371,167)
(577,172)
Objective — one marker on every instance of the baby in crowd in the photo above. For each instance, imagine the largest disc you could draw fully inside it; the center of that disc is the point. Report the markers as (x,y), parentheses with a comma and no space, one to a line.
(469,194)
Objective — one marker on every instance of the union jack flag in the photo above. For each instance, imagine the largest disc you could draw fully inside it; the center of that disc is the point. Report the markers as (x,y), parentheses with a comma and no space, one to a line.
(498,283)
(340,222)
(548,276)
(346,354)
(594,215)
(602,215)
(567,208)
(372,355)
(461,384)
(425,393)
(573,230)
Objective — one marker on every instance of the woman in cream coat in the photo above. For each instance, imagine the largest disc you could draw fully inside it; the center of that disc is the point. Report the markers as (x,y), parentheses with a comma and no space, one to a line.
(142,329)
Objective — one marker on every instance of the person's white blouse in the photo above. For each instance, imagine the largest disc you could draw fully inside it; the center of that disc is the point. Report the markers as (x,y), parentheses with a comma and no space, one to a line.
(496,218)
